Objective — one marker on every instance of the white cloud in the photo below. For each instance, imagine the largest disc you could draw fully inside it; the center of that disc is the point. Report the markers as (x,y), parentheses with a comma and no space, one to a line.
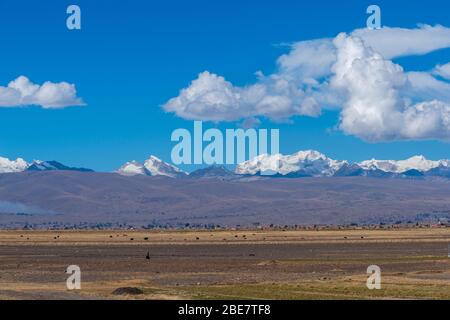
(22,92)
(378,100)
(375,109)
(424,86)
(292,91)
(443,71)
(369,83)
(210,97)
(426,120)
(392,43)
(308,60)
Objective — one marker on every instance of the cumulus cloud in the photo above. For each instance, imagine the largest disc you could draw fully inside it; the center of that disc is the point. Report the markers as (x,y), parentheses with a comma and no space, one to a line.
(293,91)
(210,97)
(353,72)
(375,109)
(49,95)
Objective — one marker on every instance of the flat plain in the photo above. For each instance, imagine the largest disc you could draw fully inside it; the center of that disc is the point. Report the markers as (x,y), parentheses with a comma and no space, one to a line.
(244,264)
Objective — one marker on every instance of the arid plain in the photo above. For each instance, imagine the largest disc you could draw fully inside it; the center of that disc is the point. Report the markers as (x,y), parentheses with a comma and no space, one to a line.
(244,264)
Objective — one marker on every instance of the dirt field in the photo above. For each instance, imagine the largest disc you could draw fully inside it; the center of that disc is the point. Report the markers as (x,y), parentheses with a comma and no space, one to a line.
(226,264)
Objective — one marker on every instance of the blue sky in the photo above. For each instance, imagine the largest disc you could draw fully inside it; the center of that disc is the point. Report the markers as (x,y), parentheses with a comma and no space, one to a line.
(132,56)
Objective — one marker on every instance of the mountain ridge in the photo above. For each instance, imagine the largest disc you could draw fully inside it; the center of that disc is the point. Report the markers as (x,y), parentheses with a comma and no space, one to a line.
(307,163)
(20,165)
(60,199)
(153,166)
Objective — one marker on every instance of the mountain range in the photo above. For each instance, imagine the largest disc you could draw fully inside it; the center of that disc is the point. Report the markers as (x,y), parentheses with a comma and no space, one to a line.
(315,164)
(20,165)
(269,189)
(66,199)
(153,166)
(308,163)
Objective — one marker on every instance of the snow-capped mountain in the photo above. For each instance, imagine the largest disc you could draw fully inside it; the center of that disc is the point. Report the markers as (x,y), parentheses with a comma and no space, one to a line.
(153,166)
(419,163)
(7,166)
(308,163)
(20,165)
(303,163)
(132,168)
(157,167)
(315,164)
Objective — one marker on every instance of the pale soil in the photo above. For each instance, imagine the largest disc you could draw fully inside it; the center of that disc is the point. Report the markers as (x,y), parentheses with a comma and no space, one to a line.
(226,264)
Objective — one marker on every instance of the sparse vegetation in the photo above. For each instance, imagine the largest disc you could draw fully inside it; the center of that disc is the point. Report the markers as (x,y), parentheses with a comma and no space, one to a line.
(284,263)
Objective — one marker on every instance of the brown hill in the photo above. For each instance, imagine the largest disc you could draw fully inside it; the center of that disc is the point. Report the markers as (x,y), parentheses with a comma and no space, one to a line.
(64,197)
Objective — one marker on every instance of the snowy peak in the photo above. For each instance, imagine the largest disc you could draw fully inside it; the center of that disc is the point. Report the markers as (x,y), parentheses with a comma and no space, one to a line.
(312,163)
(303,163)
(309,155)
(419,163)
(309,163)
(157,167)
(7,166)
(262,164)
(20,165)
(153,166)
(315,163)
(384,165)
(132,168)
